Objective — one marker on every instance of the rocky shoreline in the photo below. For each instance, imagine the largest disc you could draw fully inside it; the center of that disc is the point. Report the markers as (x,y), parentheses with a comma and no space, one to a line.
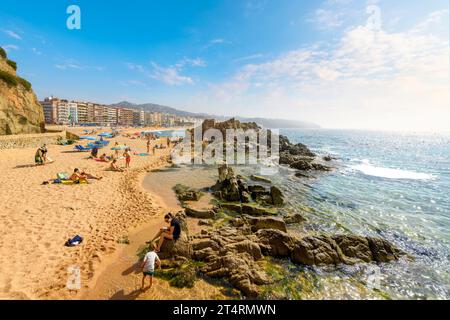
(244,227)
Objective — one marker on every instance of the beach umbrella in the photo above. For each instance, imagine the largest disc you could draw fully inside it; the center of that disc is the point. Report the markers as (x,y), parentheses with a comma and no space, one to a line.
(119,148)
(88,138)
(105,134)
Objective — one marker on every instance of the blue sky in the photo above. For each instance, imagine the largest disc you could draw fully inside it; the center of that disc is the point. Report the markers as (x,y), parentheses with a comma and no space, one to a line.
(323,61)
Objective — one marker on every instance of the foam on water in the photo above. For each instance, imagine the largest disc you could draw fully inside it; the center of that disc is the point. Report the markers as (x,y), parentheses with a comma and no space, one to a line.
(389,173)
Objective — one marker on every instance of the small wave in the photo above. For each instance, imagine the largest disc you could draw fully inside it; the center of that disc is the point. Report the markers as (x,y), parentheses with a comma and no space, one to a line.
(389,173)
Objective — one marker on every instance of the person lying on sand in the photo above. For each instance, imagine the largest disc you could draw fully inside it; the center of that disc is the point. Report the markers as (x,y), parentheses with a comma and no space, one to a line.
(103,158)
(148,265)
(114,167)
(171,233)
(78,176)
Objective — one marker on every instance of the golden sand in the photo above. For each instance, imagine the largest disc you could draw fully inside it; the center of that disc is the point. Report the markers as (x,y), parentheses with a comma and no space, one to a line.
(37,219)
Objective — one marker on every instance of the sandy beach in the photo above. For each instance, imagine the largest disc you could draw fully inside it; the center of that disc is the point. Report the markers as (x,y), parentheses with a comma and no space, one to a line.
(37,219)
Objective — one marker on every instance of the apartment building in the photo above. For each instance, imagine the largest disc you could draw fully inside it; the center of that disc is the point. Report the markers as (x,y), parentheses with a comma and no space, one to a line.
(50,107)
(63,112)
(73,112)
(125,117)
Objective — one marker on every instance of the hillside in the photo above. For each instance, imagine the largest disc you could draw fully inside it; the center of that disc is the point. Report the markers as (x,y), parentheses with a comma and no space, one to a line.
(20,111)
(265,122)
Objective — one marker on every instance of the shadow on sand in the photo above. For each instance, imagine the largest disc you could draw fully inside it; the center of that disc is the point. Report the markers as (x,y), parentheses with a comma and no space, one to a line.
(120,295)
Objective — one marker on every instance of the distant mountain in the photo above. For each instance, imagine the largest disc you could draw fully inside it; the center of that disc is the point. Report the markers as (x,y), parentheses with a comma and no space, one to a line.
(281,123)
(151,107)
(267,123)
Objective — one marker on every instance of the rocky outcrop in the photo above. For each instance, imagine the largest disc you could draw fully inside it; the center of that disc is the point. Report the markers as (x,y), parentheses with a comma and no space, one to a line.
(293,218)
(229,124)
(298,156)
(200,214)
(258,223)
(185,193)
(20,111)
(254,198)
(233,255)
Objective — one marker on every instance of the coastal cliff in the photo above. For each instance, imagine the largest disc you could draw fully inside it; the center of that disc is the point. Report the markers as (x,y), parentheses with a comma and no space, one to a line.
(20,111)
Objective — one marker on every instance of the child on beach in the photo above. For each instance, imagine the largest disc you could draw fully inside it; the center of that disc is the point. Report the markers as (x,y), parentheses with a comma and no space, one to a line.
(148,265)
(115,167)
(127,156)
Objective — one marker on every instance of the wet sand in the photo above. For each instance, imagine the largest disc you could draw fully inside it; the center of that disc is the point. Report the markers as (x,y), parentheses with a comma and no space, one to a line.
(121,279)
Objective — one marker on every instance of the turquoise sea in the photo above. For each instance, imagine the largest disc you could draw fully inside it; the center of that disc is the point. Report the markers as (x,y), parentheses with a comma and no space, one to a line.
(390,185)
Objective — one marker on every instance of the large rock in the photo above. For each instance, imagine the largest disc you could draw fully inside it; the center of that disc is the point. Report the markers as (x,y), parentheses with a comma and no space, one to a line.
(384,251)
(20,111)
(293,218)
(275,242)
(320,250)
(348,249)
(277,196)
(199,214)
(258,223)
(255,210)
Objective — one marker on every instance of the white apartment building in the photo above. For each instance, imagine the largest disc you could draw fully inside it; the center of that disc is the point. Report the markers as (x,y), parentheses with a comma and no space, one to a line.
(73,112)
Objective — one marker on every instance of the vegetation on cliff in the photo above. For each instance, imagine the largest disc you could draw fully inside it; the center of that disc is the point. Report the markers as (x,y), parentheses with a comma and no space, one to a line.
(20,111)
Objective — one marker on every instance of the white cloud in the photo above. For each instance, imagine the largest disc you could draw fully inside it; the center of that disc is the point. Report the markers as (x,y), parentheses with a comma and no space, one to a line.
(10,47)
(369,79)
(12,34)
(169,75)
(250,57)
(72,64)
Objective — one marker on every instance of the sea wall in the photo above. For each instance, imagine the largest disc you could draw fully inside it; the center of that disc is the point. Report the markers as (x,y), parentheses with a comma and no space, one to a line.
(33,140)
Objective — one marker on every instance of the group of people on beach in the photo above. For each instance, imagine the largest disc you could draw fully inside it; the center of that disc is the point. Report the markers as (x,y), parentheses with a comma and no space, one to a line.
(170,233)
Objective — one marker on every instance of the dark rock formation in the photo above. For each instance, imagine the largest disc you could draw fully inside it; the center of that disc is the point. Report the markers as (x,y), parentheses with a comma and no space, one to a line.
(294,218)
(298,156)
(277,196)
(199,214)
(185,193)
(258,223)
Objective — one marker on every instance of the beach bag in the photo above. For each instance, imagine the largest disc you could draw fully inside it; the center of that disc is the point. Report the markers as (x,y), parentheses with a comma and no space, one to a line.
(75,241)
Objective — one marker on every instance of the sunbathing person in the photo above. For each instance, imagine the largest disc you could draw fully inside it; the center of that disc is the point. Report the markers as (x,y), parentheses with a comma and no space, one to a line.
(77,176)
(80,177)
(173,232)
(103,158)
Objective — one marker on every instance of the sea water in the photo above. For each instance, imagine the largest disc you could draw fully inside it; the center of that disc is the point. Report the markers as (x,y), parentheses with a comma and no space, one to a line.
(390,185)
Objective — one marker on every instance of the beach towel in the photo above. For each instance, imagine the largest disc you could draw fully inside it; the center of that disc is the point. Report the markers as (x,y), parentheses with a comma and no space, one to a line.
(63,176)
(75,241)
(71,182)
(81,148)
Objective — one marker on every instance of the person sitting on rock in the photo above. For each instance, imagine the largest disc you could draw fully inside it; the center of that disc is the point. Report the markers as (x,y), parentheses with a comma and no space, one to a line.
(171,233)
